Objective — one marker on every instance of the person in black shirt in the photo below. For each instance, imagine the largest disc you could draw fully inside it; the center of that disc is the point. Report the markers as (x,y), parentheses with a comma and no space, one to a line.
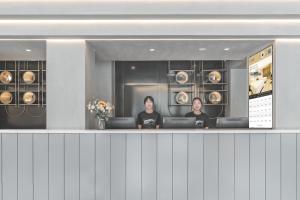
(202,119)
(149,118)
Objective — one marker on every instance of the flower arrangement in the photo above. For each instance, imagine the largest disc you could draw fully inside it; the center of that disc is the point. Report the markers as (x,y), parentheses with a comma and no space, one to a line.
(101,108)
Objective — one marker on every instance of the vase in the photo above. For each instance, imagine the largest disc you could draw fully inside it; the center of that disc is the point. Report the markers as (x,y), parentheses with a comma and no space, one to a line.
(100,124)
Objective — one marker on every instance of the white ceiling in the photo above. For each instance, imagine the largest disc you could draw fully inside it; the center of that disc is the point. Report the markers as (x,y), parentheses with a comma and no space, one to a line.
(15,50)
(139,49)
(176,49)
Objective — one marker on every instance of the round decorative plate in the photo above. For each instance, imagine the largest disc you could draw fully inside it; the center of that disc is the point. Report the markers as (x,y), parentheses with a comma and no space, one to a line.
(182,97)
(28,77)
(182,77)
(214,76)
(215,97)
(6,77)
(29,97)
(6,97)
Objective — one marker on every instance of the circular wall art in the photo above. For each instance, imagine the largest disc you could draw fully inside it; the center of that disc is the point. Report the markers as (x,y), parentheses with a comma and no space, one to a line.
(214,76)
(6,97)
(215,97)
(29,97)
(182,77)
(28,77)
(6,77)
(182,97)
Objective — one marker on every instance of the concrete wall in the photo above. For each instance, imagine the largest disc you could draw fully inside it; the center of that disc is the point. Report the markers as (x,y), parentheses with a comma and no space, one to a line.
(238,89)
(65,84)
(99,82)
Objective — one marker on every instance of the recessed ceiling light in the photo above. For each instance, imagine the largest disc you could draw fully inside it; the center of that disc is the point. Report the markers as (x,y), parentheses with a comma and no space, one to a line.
(132,67)
(202,49)
(227,49)
(28,50)
(151,49)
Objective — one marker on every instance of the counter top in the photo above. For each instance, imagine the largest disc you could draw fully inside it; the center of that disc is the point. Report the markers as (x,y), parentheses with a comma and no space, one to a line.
(151,131)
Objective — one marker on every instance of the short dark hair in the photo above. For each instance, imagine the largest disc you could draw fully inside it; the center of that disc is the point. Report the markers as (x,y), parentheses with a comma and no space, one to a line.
(197,98)
(148,98)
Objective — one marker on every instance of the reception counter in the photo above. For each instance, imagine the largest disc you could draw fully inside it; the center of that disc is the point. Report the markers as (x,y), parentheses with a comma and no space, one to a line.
(159,164)
(154,131)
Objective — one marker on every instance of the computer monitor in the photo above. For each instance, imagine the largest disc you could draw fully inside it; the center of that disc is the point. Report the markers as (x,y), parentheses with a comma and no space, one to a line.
(179,122)
(232,122)
(121,123)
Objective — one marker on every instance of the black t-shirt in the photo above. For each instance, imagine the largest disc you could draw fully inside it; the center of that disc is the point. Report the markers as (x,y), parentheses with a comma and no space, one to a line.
(202,120)
(149,120)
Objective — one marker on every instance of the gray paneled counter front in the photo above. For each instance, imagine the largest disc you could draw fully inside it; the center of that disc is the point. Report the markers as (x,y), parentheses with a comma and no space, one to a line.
(140,164)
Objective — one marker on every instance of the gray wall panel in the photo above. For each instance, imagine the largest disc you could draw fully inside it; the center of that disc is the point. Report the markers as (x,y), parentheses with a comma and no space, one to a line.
(195,167)
(25,167)
(41,166)
(211,167)
(10,166)
(242,166)
(298,167)
(56,167)
(87,167)
(118,165)
(1,167)
(180,167)
(288,167)
(149,175)
(149,166)
(226,167)
(103,166)
(72,167)
(257,166)
(273,167)
(133,167)
(164,167)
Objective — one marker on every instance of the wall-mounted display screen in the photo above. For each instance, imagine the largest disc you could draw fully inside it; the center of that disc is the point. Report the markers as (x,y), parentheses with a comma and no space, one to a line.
(260,73)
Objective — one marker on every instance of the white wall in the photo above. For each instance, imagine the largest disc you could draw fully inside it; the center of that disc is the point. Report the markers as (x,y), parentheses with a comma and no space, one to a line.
(65,84)
(287,92)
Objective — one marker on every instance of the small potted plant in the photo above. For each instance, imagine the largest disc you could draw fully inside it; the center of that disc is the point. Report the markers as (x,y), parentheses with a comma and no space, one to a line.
(102,111)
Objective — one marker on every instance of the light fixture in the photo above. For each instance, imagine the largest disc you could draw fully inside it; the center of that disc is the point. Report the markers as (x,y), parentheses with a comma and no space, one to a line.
(132,67)
(152,50)
(202,49)
(227,49)
(28,50)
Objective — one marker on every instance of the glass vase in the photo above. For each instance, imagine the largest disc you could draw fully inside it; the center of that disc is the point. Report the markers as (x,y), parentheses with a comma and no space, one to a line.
(100,124)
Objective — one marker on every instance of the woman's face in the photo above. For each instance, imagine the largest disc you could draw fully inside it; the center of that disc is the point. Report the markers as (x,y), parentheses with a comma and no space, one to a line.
(149,105)
(197,105)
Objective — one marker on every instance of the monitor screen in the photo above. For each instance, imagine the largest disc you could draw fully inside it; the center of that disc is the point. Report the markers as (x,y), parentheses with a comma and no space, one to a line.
(121,123)
(232,122)
(179,122)
(260,73)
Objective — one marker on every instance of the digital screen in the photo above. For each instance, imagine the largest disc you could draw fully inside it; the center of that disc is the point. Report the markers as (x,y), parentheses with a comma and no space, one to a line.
(260,72)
